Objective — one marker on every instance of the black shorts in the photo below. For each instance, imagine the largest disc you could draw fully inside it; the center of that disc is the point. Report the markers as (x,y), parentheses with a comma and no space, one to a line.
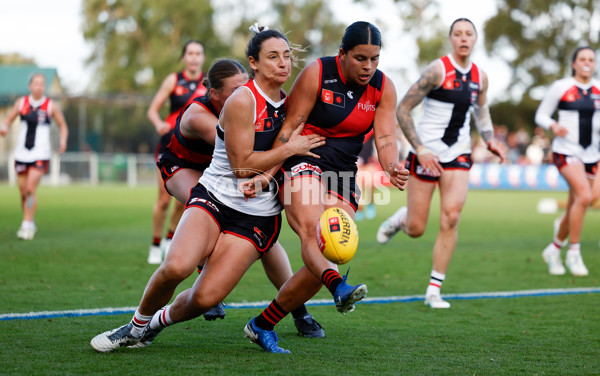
(562,160)
(462,162)
(169,164)
(262,232)
(161,147)
(22,167)
(338,179)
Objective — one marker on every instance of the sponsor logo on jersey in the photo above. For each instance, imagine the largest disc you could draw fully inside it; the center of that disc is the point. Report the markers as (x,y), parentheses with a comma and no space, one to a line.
(349,94)
(367,106)
(330,81)
(333,98)
(304,166)
(473,85)
(264,125)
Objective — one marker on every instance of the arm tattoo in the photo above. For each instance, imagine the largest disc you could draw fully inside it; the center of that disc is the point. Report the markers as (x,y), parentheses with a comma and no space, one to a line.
(487,136)
(384,146)
(428,80)
(299,121)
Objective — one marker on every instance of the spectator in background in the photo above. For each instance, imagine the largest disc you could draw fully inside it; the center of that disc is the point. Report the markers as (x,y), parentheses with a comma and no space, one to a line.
(180,88)
(33,149)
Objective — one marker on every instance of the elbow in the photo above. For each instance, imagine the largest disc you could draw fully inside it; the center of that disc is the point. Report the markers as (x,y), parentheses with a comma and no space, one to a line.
(244,173)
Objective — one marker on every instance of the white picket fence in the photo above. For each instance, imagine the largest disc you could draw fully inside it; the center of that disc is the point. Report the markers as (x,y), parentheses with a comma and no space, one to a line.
(93,169)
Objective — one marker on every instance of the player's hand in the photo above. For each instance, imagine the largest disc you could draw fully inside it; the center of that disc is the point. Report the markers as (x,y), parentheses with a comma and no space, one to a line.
(62,148)
(398,175)
(163,128)
(3,130)
(250,187)
(429,161)
(558,130)
(496,150)
(301,145)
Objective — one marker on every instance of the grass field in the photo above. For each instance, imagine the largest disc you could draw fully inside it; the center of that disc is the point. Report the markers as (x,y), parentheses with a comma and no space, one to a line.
(91,248)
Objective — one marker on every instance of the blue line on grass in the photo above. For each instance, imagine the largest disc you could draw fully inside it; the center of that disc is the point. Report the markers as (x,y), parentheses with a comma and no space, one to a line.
(316,302)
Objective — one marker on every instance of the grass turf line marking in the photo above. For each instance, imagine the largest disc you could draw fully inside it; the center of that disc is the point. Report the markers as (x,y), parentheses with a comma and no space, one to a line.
(316,302)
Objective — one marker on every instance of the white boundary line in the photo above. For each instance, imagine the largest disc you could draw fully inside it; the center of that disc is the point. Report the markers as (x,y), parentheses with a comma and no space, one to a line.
(316,302)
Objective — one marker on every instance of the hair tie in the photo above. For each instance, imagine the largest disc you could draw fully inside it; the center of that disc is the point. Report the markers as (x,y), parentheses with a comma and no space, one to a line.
(257,29)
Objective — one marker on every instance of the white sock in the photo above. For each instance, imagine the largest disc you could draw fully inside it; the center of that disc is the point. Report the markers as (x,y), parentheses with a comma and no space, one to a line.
(397,219)
(139,322)
(560,243)
(574,250)
(435,283)
(161,318)
(28,225)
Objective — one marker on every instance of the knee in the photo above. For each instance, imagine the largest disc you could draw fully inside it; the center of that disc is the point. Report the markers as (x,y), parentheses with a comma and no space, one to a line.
(414,230)
(203,301)
(172,272)
(584,199)
(449,219)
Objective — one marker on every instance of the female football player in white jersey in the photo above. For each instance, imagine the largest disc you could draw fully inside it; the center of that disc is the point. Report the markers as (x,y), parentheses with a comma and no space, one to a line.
(575,152)
(218,220)
(32,152)
(441,148)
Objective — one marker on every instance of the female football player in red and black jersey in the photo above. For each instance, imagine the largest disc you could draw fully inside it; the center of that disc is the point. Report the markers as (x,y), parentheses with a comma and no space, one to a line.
(576,154)
(180,88)
(342,98)
(441,148)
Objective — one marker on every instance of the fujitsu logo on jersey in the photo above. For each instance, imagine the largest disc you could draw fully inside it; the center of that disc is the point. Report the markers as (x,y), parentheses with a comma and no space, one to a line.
(367,106)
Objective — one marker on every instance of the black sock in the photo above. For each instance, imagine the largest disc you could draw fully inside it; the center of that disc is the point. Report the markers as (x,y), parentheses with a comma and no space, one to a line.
(331,279)
(299,312)
(270,316)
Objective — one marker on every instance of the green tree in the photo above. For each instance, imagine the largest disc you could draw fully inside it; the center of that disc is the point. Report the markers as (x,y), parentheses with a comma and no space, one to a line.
(422,20)
(138,43)
(536,39)
(309,24)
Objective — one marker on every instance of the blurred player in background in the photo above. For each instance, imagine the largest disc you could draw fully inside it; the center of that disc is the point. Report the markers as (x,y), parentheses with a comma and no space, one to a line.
(32,151)
(180,88)
(441,153)
(575,152)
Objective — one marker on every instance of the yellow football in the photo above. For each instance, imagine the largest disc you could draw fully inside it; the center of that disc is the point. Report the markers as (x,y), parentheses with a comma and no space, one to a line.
(337,235)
